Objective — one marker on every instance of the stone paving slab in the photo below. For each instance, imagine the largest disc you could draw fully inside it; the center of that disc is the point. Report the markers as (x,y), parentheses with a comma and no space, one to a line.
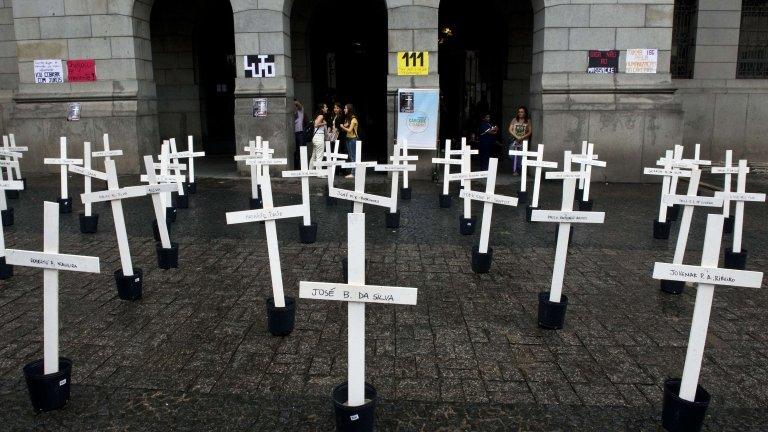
(194,353)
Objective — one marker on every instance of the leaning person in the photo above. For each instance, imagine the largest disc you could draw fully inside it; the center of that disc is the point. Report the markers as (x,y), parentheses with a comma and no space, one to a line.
(318,135)
(520,130)
(350,128)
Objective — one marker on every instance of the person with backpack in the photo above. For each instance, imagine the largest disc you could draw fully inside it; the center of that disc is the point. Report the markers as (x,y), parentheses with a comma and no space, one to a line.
(350,128)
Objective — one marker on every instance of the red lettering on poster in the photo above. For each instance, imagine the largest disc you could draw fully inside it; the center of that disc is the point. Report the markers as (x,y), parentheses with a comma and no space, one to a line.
(81,70)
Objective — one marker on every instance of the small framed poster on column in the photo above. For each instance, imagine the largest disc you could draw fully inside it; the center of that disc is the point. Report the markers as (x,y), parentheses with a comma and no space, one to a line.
(418,117)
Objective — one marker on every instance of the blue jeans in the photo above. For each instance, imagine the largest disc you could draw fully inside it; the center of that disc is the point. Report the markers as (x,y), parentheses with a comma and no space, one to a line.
(352,150)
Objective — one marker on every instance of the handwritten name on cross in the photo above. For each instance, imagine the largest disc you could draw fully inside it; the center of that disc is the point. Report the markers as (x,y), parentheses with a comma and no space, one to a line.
(107,153)
(87,174)
(564,218)
(304,173)
(707,275)
(51,261)
(667,172)
(740,196)
(676,162)
(63,162)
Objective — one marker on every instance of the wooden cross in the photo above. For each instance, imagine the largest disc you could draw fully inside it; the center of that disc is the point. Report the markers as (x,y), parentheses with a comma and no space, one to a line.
(4,186)
(676,162)
(446,161)
(539,163)
(667,172)
(697,157)
(397,166)
(63,162)
(332,159)
(51,261)
(87,174)
(405,158)
(358,196)
(269,215)
(587,161)
(176,166)
(14,169)
(156,189)
(107,153)
(466,175)
(304,173)
(727,169)
(564,218)
(524,153)
(256,150)
(190,155)
(740,196)
(489,198)
(706,276)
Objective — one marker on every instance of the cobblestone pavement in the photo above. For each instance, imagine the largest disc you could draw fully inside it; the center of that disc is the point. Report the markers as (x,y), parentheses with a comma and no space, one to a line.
(195,354)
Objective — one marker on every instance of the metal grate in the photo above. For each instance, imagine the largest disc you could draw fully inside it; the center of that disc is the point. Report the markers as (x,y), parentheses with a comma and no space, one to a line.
(684,38)
(753,40)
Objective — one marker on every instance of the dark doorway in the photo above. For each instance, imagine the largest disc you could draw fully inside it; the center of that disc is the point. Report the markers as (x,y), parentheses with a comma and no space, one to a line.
(193,61)
(347,43)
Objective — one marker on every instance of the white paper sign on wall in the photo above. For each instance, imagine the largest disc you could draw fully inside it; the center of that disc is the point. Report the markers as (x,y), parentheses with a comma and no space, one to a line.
(49,71)
(642,61)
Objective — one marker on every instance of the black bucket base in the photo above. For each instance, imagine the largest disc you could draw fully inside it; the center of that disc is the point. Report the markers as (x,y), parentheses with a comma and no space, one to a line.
(728,225)
(156,229)
(445,201)
(7,216)
(672,287)
(308,233)
(579,194)
(190,187)
(281,320)
(735,260)
(467,225)
(12,194)
(392,219)
(551,314)
(89,224)
(586,205)
(481,262)
(522,197)
(680,415)
(65,205)
(255,203)
(182,201)
(129,287)
(529,213)
(170,214)
(570,235)
(673,212)
(354,419)
(167,258)
(661,229)
(48,392)
(405,193)
(6,270)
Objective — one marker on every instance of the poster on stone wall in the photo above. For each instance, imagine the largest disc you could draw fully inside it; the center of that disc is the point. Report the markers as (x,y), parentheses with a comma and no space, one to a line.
(81,70)
(642,61)
(259,106)
(259,66)
(417,117)
(603,62)
(48,71)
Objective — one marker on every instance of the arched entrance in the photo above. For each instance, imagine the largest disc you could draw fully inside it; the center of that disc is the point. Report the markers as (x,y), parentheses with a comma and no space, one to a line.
(193,65)
(485,63)
(339,54)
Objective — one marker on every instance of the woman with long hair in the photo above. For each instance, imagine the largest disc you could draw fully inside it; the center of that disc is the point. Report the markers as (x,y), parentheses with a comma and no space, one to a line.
(318,135)
(520,130)
(350,128)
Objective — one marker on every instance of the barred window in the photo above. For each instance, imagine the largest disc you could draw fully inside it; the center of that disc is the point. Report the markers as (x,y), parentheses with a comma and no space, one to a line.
(684,38)
(753,40)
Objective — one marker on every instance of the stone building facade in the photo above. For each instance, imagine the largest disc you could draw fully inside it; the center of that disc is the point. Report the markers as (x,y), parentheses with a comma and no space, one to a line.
(171,68)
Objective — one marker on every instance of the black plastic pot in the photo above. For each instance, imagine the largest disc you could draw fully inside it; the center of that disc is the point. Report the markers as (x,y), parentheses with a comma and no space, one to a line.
(522,197)
(570,235)
(735,260)
(672,287)
(12,194)
(156,229)
(673,212)
(467,225)
(191,187)
(281,320)
(6,270)
(65,205)
(405,193)
(48,392)
(89,224)
(529,213)
(445,201)
(728,225)
(170,214)
(392,219)
(586,205)
(129,287)
(551,314)
(661,229)
(329,200)
(7,216)
(680,415)
(182,201)
(481,262)
(308,233)
(255,203)
(354,419)
(167,258)
(579,194)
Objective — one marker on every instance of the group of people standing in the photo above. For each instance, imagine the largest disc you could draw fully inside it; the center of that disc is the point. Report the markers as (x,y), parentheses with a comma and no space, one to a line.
(341,124)
(519,130)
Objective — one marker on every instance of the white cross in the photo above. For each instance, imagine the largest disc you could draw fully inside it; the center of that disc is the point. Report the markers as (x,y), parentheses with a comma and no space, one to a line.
(398,165)
(107,153)
(257,151)
(740,196)
(405,159)
(87,173)
(165,150)
(331,157)
(524,153)
(539,163)
(565,217)
(690,201)
(19,149)
(269,214)
(697,157)
(727,169)
(706,276)
(190,155)
(668,171)
(176,166)
(156,189)
(4,186)
(466,175)
(358,196)
(446,161)
(15,166)
(587,161)
(64,162)
(489,198)
(114,194)
(52,262)
(304,173)
(676,162)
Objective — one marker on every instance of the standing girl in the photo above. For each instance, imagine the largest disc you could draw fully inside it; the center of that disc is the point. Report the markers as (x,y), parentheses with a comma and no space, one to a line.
(318,135)
(520,130)
(350,128)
